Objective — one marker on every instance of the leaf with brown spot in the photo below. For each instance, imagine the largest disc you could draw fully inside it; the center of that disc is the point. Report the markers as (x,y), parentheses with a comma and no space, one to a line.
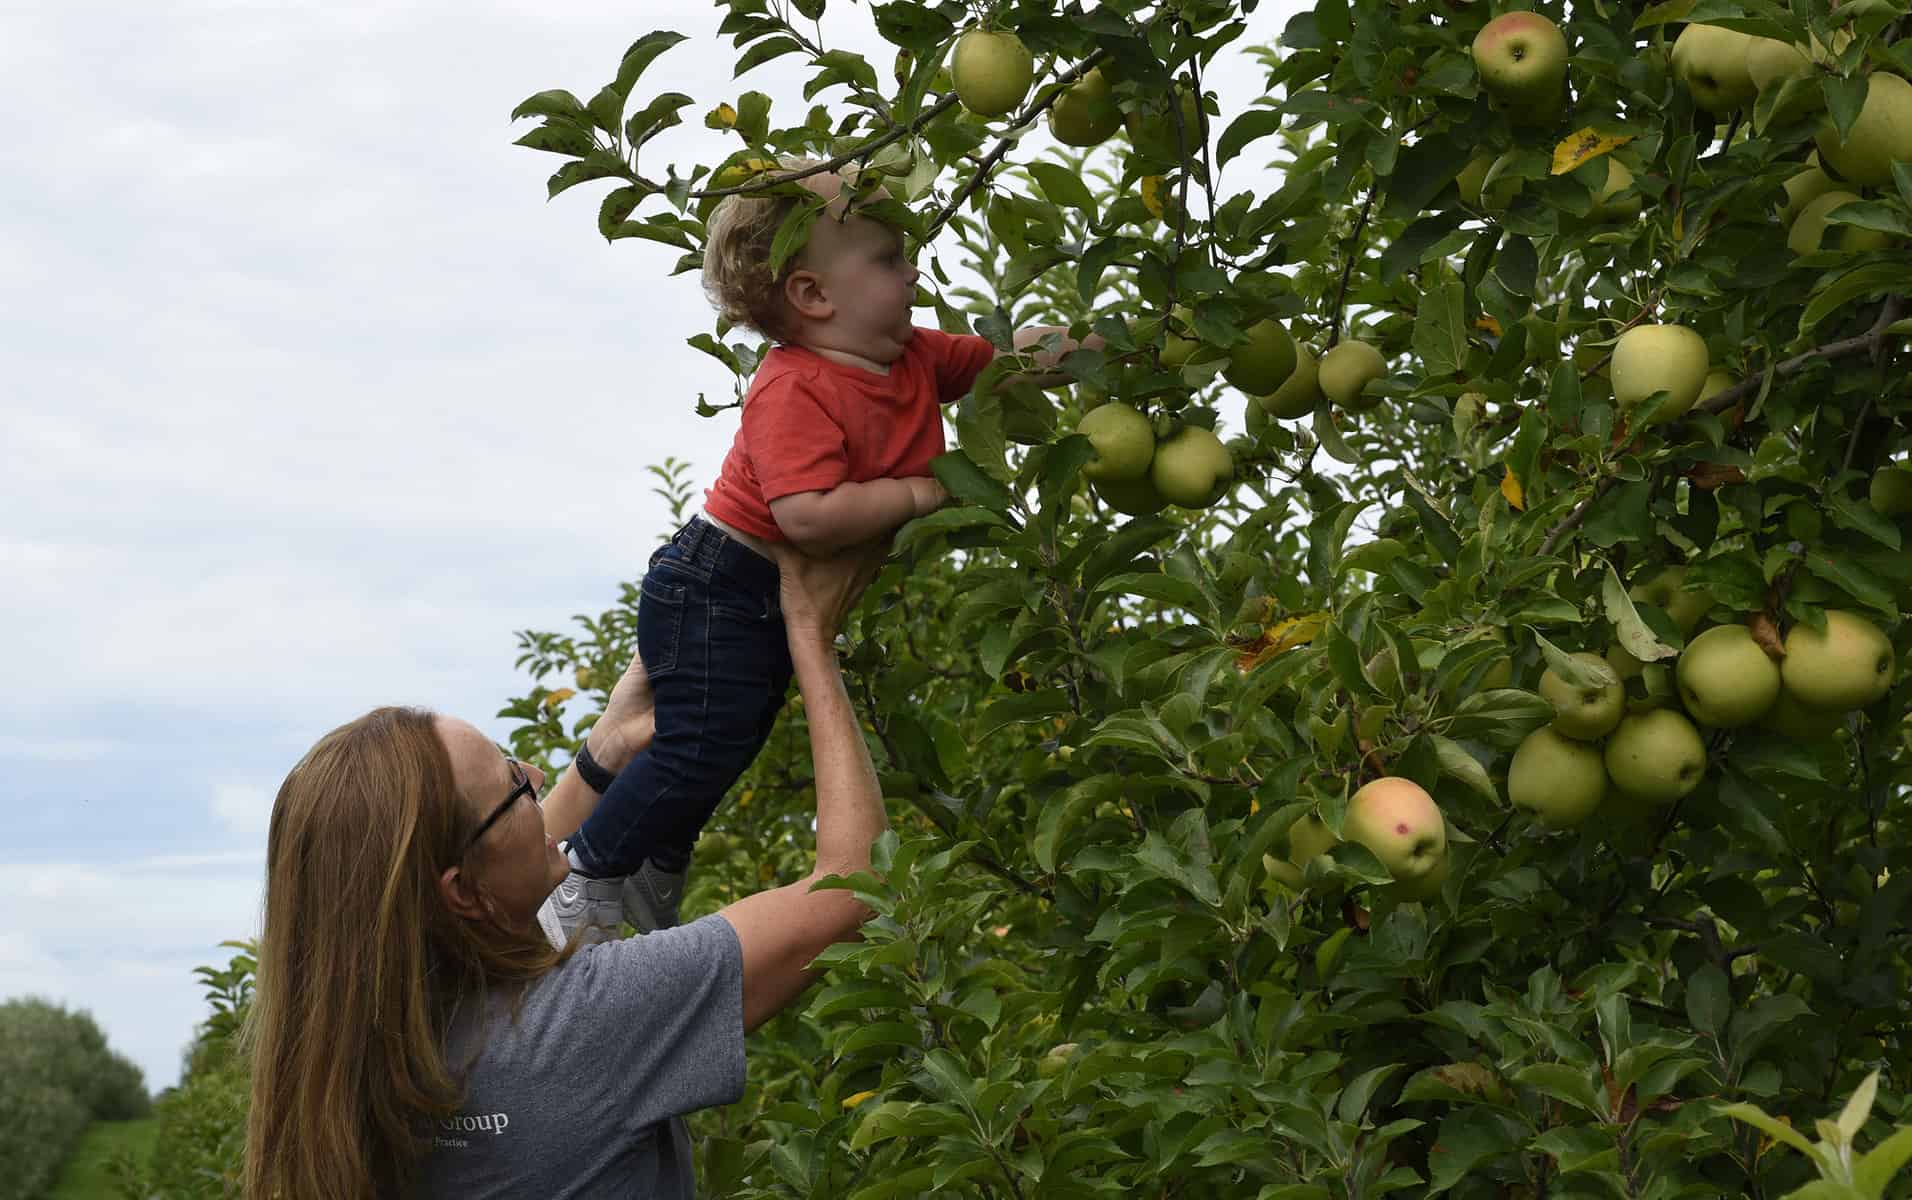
(1584,147)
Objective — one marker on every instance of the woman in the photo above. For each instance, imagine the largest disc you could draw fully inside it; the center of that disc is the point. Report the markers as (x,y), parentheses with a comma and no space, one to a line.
(415,1032)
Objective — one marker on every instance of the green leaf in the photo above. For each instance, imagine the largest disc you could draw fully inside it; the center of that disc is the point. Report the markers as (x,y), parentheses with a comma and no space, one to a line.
(640,55)
(554,103)
(765,51)
(1852,1118)
(1011,710)
(1837,291)
(1250,126)
(1845,98)
(1756,1116)
(1440,331)
(1635,638)
(967,482)
(1877,1167)
(1863,518)
(1571,1084)
(1832,565)
(1330,437)
(1063,187)
(1708,999)
(655,117)
(1159,858)
(1456,761)
(1573,672)
(945,520)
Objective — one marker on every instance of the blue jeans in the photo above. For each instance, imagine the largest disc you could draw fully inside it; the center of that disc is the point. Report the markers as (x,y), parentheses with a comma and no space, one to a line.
(710,630)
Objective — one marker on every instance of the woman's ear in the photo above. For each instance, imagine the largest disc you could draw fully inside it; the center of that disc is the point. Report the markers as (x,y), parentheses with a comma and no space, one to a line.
(460,896)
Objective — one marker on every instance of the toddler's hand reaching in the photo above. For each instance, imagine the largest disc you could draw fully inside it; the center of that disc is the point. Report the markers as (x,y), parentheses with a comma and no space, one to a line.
(927,493)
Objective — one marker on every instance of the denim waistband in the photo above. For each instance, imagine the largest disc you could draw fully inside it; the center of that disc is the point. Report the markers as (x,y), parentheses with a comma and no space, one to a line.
(706,545)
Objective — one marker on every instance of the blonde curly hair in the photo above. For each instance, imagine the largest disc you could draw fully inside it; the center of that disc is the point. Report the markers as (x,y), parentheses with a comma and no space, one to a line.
(739,235)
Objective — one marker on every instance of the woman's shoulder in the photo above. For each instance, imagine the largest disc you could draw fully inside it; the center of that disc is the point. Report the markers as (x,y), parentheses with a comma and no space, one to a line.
(656,961)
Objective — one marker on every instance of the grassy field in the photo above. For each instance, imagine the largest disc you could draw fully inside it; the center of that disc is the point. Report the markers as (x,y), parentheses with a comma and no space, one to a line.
(84,1177)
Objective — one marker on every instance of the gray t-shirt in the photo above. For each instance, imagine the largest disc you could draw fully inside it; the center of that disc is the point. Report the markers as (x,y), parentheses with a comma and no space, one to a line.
(584,1095)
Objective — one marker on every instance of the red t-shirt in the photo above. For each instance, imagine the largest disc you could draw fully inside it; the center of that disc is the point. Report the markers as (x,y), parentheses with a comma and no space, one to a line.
(811,423)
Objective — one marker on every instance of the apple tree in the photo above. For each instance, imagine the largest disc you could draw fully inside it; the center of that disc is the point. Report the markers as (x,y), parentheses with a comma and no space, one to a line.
(1441,729)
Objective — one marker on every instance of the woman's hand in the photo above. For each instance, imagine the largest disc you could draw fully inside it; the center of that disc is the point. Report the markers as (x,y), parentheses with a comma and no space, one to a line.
(818,593)
(629,720)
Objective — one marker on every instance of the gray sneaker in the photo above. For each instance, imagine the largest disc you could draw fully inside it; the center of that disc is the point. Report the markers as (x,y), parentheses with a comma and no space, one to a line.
(651,896)
(588,904)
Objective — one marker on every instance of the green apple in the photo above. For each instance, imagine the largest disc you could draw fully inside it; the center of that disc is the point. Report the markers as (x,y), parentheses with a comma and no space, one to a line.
(1716,382)
(1803,187)
(1192,468)
(1790,719)
(1085,114)
(1346,368)
(1308,839)
(1663,589)
(1473,178)
(1847,666)
(1725,678)
(1559,780)
(1770,61)
(1522,60)
(1606,207)
(1152,132)
(1711,61)
(1260,364)
(992,71)
(1656,755)
(1624,665)
(1402,825)
(1891,490)
(1136,497)
(1881,135)
(1810,232)
(1055,1061)
(1124,443)
(1651,358)
(1584,712)
(1299,394)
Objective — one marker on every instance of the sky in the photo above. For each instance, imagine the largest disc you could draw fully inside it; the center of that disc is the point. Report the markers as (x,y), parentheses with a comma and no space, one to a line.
(311,402)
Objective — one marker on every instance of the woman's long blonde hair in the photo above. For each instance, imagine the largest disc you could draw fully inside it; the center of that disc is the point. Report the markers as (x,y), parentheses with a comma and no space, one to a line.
(361,964)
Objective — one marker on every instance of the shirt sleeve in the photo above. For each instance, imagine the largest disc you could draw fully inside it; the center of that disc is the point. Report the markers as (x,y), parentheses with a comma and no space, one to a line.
(662,1016)
(794,442)
(955,361)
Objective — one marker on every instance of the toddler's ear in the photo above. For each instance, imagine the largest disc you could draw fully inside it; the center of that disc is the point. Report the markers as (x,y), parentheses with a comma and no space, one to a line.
(803,292)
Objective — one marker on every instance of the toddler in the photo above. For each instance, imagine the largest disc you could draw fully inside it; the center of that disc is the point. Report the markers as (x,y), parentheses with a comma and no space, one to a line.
(839,426)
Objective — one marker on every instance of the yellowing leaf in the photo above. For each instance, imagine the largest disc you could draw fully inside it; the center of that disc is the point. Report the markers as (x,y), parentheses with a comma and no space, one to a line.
(1510,488)
(1283,635)
(1488,324)
(1584,147)
(558,697)
(721,117)
(1155,195)
(853,1101)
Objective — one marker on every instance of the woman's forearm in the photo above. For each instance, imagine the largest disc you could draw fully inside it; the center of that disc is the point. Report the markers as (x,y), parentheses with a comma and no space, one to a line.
(570,802)
(850,813)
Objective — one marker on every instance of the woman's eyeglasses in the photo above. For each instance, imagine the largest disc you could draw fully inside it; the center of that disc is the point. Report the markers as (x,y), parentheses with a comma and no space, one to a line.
(524,787)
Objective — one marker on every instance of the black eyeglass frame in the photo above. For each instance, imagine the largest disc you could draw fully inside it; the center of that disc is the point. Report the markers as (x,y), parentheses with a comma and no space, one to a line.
(524,788)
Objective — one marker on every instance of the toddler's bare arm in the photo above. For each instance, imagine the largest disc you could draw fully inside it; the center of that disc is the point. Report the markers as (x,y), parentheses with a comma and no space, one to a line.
(822,523)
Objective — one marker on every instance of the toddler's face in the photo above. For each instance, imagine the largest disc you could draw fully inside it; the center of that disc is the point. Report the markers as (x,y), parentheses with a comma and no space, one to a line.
(870,282)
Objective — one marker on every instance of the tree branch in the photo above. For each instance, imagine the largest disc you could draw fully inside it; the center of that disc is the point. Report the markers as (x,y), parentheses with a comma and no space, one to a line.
(767,181)
(1871,341)
(1347,270)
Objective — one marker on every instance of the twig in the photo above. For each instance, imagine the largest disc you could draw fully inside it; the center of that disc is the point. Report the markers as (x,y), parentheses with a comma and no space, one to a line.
(1872,340)
(996,152)
(1572,520)
(1347,270)
(767,181)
